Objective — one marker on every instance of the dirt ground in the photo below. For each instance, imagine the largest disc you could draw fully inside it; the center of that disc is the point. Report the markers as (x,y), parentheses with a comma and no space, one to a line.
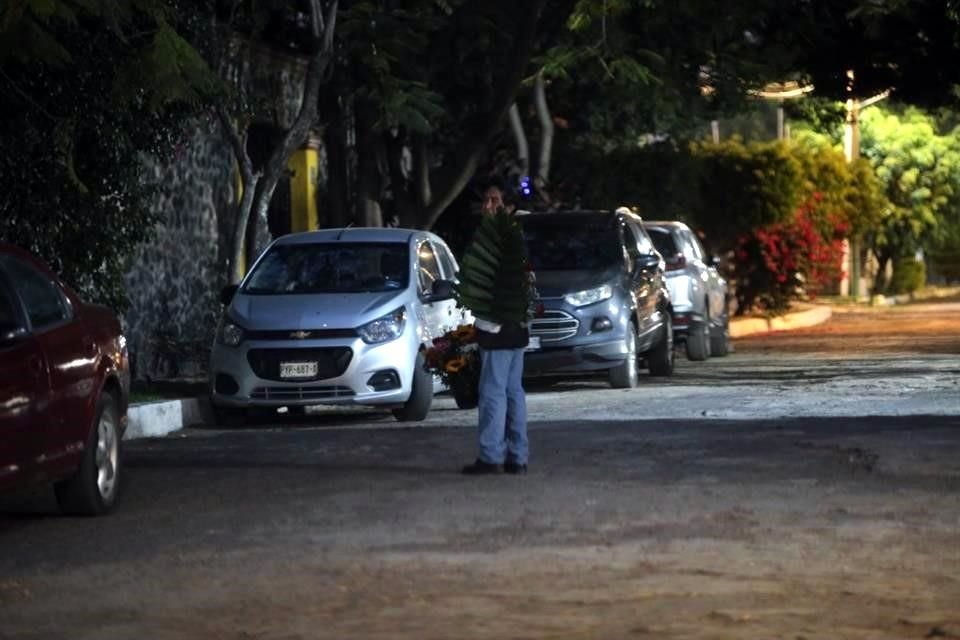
(798,528)
(923,327)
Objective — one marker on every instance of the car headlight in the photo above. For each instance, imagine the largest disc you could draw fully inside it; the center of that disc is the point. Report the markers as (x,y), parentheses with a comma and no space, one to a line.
(590,296)
(231,334)
(384,328)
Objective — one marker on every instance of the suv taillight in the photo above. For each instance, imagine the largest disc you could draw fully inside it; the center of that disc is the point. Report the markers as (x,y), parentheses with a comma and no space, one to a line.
(678,261)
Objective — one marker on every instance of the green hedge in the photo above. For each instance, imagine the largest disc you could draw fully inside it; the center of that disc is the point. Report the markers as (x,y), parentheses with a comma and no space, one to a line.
(909,275)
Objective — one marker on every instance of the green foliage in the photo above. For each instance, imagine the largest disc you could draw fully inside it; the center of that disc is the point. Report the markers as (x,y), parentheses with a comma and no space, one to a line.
(657,179)
(72,161)
(817,114)
(851,190)
(919,170)
(787,261)
(494,280)
(177,72)
(909,275)
(887,43)
(746,186)
(383,45)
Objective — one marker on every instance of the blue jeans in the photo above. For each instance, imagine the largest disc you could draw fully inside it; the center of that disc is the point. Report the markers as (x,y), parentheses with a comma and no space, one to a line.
(502,407)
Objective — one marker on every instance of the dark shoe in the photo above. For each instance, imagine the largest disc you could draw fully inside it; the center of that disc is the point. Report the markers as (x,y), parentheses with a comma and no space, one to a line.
(515,468)
(480,468)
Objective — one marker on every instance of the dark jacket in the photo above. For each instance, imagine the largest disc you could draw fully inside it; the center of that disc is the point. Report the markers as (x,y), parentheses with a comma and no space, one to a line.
(511,336)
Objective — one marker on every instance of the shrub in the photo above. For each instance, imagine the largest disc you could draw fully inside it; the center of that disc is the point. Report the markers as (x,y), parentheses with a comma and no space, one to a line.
(785,261)
(909,275)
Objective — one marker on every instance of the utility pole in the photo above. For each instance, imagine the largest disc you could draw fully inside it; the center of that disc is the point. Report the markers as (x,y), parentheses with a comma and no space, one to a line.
(851,150)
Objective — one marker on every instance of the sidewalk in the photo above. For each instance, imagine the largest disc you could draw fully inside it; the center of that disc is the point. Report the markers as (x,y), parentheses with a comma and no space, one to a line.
(807,316)
(158,419)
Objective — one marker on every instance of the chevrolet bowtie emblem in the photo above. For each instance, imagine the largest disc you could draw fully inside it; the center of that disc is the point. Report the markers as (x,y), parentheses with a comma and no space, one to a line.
(300,335)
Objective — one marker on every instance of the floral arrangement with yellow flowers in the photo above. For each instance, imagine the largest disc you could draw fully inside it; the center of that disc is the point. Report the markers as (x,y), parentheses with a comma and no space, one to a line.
(454,357)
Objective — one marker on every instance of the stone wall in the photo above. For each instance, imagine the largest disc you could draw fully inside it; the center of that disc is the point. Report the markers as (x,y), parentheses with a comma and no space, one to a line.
(174,281)
(175,278)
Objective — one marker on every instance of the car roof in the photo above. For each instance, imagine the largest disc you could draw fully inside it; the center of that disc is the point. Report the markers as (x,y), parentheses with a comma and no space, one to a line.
(26,256)
(353,234)
(575,214)
(666,224)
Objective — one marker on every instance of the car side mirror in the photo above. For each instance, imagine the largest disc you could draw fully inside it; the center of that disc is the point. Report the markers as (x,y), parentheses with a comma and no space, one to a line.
(440,290)
(10,334)
(227,293)
(714,262)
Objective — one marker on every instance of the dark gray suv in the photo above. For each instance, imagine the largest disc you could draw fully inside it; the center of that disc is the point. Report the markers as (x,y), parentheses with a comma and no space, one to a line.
(606,304)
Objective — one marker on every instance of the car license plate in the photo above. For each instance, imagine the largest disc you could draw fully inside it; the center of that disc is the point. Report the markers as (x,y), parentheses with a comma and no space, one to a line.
(298,369)
(534,343)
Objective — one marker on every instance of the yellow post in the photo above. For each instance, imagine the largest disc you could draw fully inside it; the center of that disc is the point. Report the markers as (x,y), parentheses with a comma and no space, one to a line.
(243,254)
(305,165)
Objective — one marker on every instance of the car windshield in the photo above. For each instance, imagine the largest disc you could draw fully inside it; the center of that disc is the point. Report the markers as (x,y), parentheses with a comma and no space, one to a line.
(575,244)
(331,267)
(663,241)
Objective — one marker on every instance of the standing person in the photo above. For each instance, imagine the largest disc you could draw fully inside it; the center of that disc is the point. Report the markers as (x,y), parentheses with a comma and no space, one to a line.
(494,199)
(502,335)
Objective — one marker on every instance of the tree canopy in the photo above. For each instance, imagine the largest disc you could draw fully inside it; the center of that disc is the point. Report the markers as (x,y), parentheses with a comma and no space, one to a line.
(415,97)
(87,88)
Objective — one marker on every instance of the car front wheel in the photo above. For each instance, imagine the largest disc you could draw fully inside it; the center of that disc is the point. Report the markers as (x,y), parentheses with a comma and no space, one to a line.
(660,358)
(720,340)
(624,376)
(418,404)
(92,489)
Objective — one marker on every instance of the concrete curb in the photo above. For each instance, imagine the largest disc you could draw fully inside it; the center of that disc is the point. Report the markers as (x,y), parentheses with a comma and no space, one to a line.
(156,419)
(740,327)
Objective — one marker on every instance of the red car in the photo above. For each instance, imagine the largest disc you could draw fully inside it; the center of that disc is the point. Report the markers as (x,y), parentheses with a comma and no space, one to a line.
(64,388)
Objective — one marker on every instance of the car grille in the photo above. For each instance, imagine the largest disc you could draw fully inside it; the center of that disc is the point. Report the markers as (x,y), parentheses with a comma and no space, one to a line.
(301,334)
(553,326)
(301,393)
(331,361)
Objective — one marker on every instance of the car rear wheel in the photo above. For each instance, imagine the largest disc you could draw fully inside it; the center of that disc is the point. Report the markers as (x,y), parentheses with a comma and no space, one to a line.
(418,404)
(720,340)
(625,375)
(660,358)
(698,342)
(93,488)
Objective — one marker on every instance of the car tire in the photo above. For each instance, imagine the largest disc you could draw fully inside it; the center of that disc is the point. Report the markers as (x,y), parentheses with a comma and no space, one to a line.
(720,340)
(93,488)
(418,404)
(698,342)
(465,393)
(660,358)
(626,374)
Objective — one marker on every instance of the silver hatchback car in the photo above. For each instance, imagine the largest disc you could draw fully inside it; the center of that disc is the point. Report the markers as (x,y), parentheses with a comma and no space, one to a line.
(337,316)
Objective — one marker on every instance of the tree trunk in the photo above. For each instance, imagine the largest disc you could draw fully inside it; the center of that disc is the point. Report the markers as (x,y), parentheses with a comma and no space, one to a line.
(248,182)
(369,179)
(335,205)
(546,132)
(880,282)
(258,190)
(520,138)
(456,177)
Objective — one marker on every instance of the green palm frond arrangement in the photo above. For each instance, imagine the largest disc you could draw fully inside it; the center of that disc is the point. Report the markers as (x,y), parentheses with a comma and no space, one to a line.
(494,279)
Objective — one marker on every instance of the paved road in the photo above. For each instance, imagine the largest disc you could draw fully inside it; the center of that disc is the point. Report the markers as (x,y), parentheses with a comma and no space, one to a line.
(814,494)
